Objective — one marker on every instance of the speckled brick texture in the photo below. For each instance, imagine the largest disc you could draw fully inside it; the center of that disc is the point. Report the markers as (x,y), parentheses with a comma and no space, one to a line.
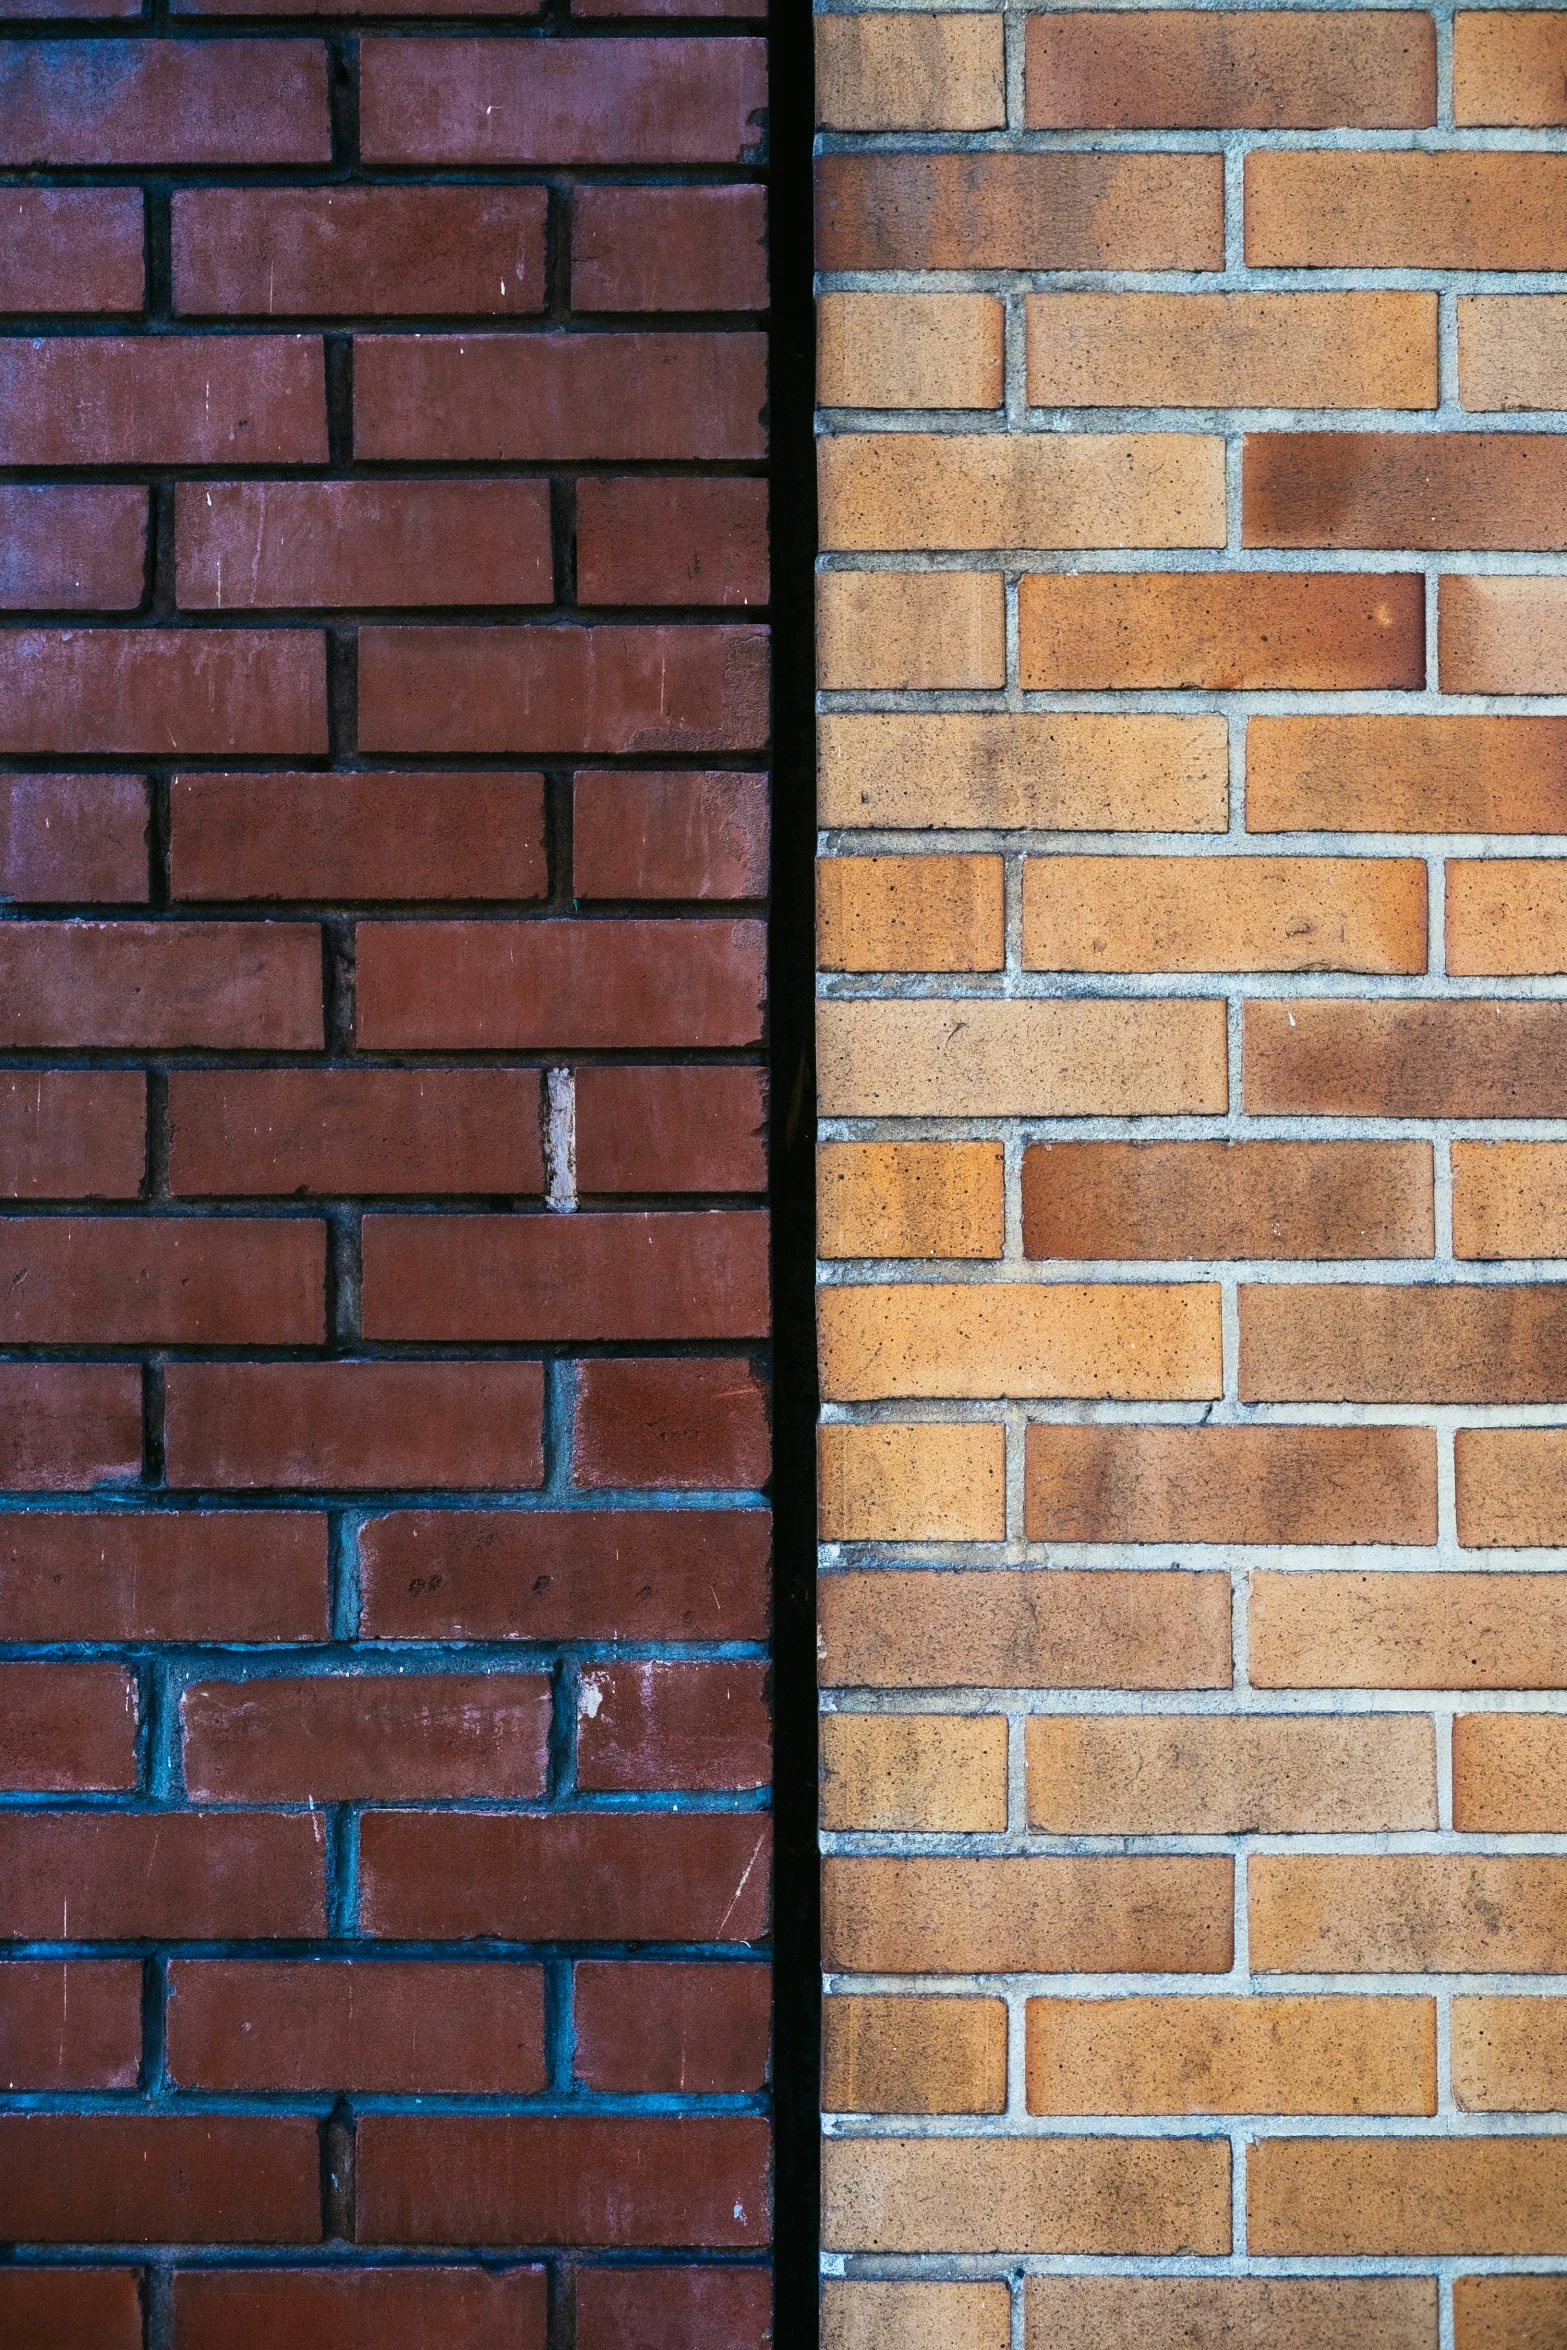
(1193,1175)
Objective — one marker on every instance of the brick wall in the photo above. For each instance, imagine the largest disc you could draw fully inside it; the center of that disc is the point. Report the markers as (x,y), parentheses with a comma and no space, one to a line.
(383,1421)
(1193,920)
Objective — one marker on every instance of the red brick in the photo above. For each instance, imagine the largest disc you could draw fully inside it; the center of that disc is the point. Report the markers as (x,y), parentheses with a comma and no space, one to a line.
(631,396)
(73,550)
(219,1575)
(625,101)
(507,2179)
(1192,69)
(163,400)
(71,248)
(692,2031)
(678,1129)
(267,545)
(132,2178)
(73,1134)
(70,2309)
(92,690)
(361,2309)
(674,2308)
(655,1724)
(106,103)
(358,252)
(668,248)
(389,2029)
(80,838)
(331,1131)
(629,1877)
(129,1876)
(191,1281)
(538,1278)
(983,211)
(563,1575)
(66,1729)
(652,1421)
(69,2025)
(670,836)
(339,1737)
(1362,489)
(1406,1059)
(337,837)
(604,8)
(354,1424)
(223,985)
(67,1426)
(524,10)
(509,986)
(642,541)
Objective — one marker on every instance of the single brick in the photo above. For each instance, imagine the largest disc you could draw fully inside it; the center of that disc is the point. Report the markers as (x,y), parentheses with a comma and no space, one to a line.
(357,836)
(1510,2055)
(1217,1199)
(1278,914)
(71,249)
(1195,69)
(902,1773)
(366,252)
(72,2308)
(1404,490)
(1229,350)
(628,396)
(506,986)
(67,1729)
(1406,1913)
(673,1129)
(1503,636)
(73,1134)
(1066,1914)
(1505,916)
(1141,2195)
(1227,630)
(911,629)
(956,490)
(266,545)
(117,2178)
(66,2025)
(620,102)
(1255,1485)
(909,1199)
(668,248)
(1510,1490)
(354,1424)
(1099,1630)
(1230,1775)
(652,1421)
(218,1575)
(1341,1342)
(1510,352)
(388,2029)
(685,541)
(883,2055)
(1417,774)
(106,690)
(1244,2313)
(165,1875)
(983,211)
(642,835)
(163,399)
(74,838)
(1508,1773)
(67,1426)
(683,689)
(72,549)
(1406,1059)
(973,1059)
(1509,69)
(908,350)
(1011,1339)
(872,2316)
(284,1132)
(383,1734)
(1509,1199)
(1073,771)
(178,1280)
(565,1575)
(109,103)
(910,72)
(150,984)
(637,1877)
(1400,1631)
(910,914)
(361,2308)
(1406,2195)
(1114,2056)
(653,1725)
(930,1482)
(1461,209)
(1507,2312)
(690,2031)
(727,2308)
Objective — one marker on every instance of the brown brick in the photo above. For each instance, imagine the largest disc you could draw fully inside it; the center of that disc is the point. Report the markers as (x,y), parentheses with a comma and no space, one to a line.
(1243,2313)
(1406,1913)
(972,1059)
(1406,1059)
(672,2030)
(357,836)
(73,1134)
(910,914)
(1508,1773)
(702,1726)
(354,1424)
(866,2315)
(71,249)
(398,2029)
(1336,1342)
(1510,2055)
(909,1199)
(118,102)
(1406,2195)
(1095,2194)
(383,1734)
(713,2308)
(675,1129)
(345,252)
(922,1483)
(151,984)
(957,490)
(1230,1775)
(1260,1485)
(1417,774)
(1226,630)
(652,1421)
(1404,490)
(74,837)
(361,2308)
(1509,1199)
(914,1772)
(982,211)
(1193,69)
(1406,210)
(914,2055)
(1508,2313)
(641,835)
(104,690)
(896,71)
(1220,2055)
(1510,1490)
(911,629)
(1069,771)
(164,399)
(72,2308)
(668,248)
(187,1280)
(1278,913)
(72,549)
(1503,636)
(121,2178)
(66,2025)
(117,1876)
(685,541)
(1510,350)
(1230,350)
(909,350)
(1508,68)
(67,1729)
(282,1132)
(216,1575)
(259,546)
(1215,1199)
(1055,1630)
(1014,1339)
(1076,1914)
(1504,916)
(1400,1631)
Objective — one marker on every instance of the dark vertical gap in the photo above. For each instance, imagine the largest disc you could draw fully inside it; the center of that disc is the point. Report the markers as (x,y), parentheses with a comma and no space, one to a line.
(343,99)
(152,1424)
(563,539)
(560,2031)
(163,586)
(158,248)
(559,807)
(157,1134)
(157,2305)
(339,401)
(557,252)
(337,2174)
(154,2043)
(159,822)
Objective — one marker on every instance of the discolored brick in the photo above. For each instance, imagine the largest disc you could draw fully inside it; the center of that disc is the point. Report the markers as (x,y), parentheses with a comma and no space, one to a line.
(984,211)
(71,249)
(1416,774)
(69,2024)
(237,2024)
(65,1427)
(1507,2312)
(1218,1775)
(1402,1631)
(274,1740)
(923,1483)
(120,102)
(1104,2195)
(258,546)
(1071,771)
(1408,1059)
(1337,1342)
(1213,1199)
(909,350)
(645,835)
(915,72)
(1103,630)
(1217,2055)
(910,914)
(1503,636)
(345,252)
(1179,69)
(1404,209)
(977,1059)
(163,399)
(1056,1630)
(1066,1914)
(915,629)
(1244,2313)
(673,1724)
(959,490)
(72,549)
(1230,351)
(1510,350)
(883,2055)
(103,691)
(1404,490)
(909,1199)
(914,1772)
(1231,914)
(1406,1913)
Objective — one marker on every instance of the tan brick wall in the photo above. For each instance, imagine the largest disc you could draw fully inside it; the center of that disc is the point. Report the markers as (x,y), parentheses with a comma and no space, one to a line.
(1193,1177)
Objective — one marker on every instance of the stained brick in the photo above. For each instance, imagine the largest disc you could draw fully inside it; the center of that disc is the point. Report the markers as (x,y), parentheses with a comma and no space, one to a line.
(1506,2312)
(927,1482)
(391,2029)
(357,836)
(1230,350)
(941,1339)
(1404,490)
(73,1134)
(80,838)
(1403,1631)
(89,1877)
(271,1740)
(892,1772)
(981,211)
(883,2055)
(1258,1485)
(72,549)
(911,629)
(1298,2056)
(1200,1199)
(1065,1914)
(667,1724)
(105,690)
(668,248)
(67,1426)
(1069,771)
(188,2179)
(345,252)
(1405,210)
(1503,636)
(218,1575)
(163,399)
(1027,1631)
(1504,916)
(687,541)
(1406,1913)
(66,2024)
(1248,2313)
(1416,774)
(879,71)
(1211,914)
(67,1729)
(693,2030)
(1033,2194)
(642,835)
(192,1281)
(361,2309)
(256,546)
(1508,2055)
(909,1199)
(1182,69)
(119,102)
(349,1424)
(330,1131)
(1405,2195)
(1356,1343)
(1407,1059)
(1510,352)
(1250,629)
(1218,1775)
(71,248)
(653,1421)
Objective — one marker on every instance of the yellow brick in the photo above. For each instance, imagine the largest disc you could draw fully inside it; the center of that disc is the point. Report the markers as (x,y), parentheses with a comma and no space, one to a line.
(1233,2313)
(1407,1913)
(910,914)
(1510,1199)
(1090,1339)
(909,350)
(1217,1774)
(927,1483)
(1510,1774)
(1224,914)
(1406,2196)
(883,2055)
(910,72)
(936,1059)
(863,2315)
(1070,771)
(919,1772)
(1509,2313)
(1503,635)
(1217,2055)
(1128,2195)
(958,490)
(909,1199)
(1512,349)
(1232,350)
(910,628)
(1072,1914)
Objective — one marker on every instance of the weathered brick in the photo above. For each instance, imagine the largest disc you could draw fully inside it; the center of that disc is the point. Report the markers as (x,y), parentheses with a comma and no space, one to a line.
(1408,1059)
(1072,771)
(392,2028)
(1509,1488)
(1508,1773)
(649,1420)
(1224,630)
(908,350)
(883,2055)
(1260,1485)
(118,2178)
(163,399)
(686,541)
(357,836)
(1404,490)
(973,1059)
(152,984)
(862,2315)
(915,72)
(1180,69)
(1406,1913)
(1105,2195)
(923,1483)
(900,1772)
(673,1129)
(1245,2313)
(916,629)
(1358,1343)
(910,913)
(1416,774)
(354,1424)
(982,211)
(1510,350)
(1219,1775)
(218,1575)
(185,1281)
(1108,2056)
(1228,350)
(1088,1339)
(1509,2055)
(368,252)
(1503,636)
(71,249)
(336,1737)
(680,1725)
(80,838)
(67,1426)
(668,248)
(72,2308)
(1507,2312)
(107,690)
(69,2025)
(1400,1631)
(72,549)
(323,1131)
(1067,1914)
(67,1729)
(106,1876)
(1460,209)
(73,1134)
(364,2308)
(117,102)
(253,545)
(1509,1199)
(1504,916)
(644,835)
(1230,914)
(1214,1199)
(909,1199)
(1136,1630)
(1508,68)
(1405,2195)
(672,2030)
(715,2308)
(956,490)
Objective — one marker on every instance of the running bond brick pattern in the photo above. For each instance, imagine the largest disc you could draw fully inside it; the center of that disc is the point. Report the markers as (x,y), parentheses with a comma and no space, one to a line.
(1193,1081)
(384,1739)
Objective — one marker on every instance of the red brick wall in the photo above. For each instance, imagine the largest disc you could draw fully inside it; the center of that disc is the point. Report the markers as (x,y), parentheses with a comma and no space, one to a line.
(384,1289)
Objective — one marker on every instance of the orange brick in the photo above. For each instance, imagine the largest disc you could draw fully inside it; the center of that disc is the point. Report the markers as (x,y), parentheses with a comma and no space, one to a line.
(1230,630)
(1512,1494)
(1069,1914)
(907,71)
(971,1059)
(909,350)
(1509,67)
(1509,2313)
(910,914)
(1407,1913)
(1129,2195)
(1505,917)
(1382,489)
(914,2055)
(1362,1343)
(909,1199)
(1368,1631)
(923,1483)
(1510,1773)
(991,490)
(1070,771)
(1509,1199)
(1511,349)
(1230,1775)
(1510,2055)
(1406,2195)
(1232,350)
(1503,636)
(943,1773)
(1227,1199)
(973,1339)
(1418,774)
(1224,914)
(1399,210)
(910,628)
(1241,2313)
(862,2315)
(1218,2055)
(1196,69)
(981,211)
(1407,1059)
